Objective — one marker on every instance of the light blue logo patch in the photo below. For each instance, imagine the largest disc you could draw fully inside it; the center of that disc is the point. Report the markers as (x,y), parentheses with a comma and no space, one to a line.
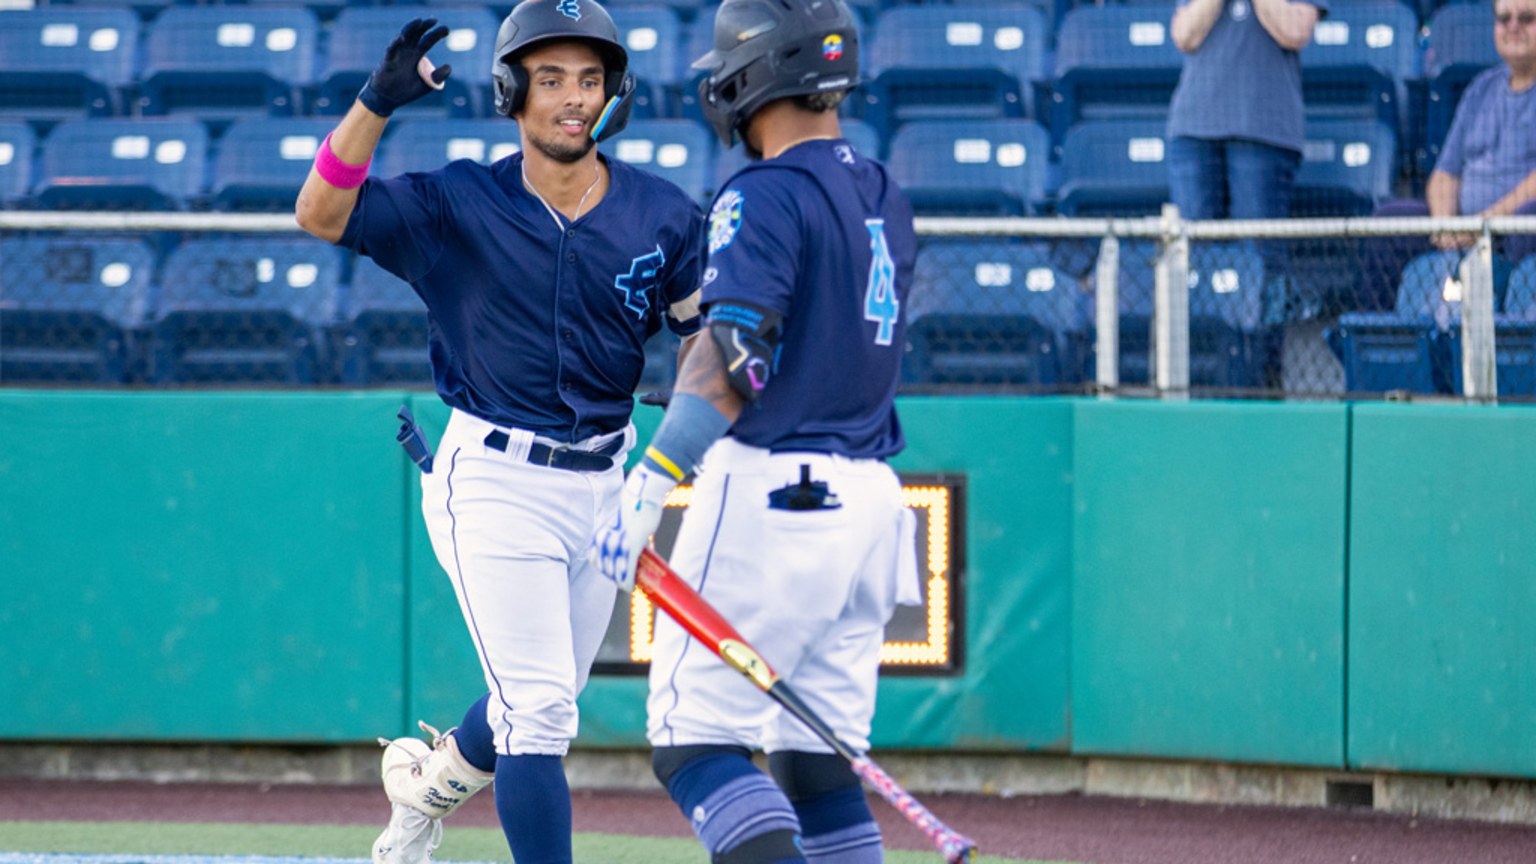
(570,9)
(644,275)
(725,219)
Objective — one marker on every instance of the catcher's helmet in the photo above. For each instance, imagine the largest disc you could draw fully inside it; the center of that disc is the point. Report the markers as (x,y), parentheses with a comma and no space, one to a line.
(770,49)
(534,22)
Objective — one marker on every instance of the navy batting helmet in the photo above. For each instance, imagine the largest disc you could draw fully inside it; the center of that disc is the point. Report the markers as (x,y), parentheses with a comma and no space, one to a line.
(770,49)
(534,22)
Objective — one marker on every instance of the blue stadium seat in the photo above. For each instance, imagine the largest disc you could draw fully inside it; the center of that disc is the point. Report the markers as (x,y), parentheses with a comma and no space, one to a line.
(69,307)
(991,312)
(243,310)
(1405,349)
(17,147)
(381,338)
(1460,47)
(1113,168)
(1115,62)
(1228,340)
(1514,323)
(961,167)
(223,62)
(1359,63)
(426,144)
(262,162)
(358,37)
(154,164)
(61,62)
(1347,168)
(939,61)
(653,37)
(1515,333)
(681,151)
(861,135)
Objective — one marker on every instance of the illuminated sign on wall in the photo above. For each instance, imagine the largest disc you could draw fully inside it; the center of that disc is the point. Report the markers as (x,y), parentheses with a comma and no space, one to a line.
(918,640)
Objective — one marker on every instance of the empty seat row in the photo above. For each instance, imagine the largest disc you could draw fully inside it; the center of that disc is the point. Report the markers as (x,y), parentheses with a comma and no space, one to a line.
(923,61)
(1008,313)
(165,163)
(985,167)
(104,310)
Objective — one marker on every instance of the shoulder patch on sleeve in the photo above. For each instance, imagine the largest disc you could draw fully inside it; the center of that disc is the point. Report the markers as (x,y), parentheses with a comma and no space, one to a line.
(725,219)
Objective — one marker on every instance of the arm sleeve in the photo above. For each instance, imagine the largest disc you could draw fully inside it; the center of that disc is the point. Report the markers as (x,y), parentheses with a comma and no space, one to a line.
(755,240)
(398,223)
(683,294)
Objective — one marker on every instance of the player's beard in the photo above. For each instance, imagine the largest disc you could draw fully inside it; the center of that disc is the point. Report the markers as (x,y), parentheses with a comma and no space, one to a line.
(561,150)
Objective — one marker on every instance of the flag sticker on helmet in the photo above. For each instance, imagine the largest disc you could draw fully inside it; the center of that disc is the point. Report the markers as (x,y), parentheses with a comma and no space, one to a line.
(832,47)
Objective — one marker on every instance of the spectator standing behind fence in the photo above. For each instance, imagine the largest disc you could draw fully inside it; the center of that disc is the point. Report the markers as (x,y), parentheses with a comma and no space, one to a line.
(1236,125)
(1487,166)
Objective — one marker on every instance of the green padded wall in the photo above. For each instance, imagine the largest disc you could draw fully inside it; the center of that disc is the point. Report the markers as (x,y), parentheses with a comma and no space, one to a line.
(200,566)
(1209,593)
(1442,624)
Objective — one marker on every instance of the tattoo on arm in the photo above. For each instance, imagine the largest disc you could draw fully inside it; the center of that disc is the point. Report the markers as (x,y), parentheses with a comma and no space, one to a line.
(703,374)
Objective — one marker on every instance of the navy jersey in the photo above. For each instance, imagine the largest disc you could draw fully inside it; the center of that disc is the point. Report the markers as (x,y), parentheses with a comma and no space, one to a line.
(823,237)
(533,325)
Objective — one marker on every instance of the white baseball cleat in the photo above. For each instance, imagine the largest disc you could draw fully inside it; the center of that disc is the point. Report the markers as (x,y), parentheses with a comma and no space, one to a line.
(424,784)
(409,838)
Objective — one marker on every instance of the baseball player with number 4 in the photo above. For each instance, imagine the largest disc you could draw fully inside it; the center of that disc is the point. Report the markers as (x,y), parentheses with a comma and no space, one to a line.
(796,531)
(543,276)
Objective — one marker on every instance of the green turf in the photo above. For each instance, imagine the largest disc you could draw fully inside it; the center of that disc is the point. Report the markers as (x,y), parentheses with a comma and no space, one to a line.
(347,841)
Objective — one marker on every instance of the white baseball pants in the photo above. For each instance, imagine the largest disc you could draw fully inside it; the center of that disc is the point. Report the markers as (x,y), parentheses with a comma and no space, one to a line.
(513,539)
(812,590)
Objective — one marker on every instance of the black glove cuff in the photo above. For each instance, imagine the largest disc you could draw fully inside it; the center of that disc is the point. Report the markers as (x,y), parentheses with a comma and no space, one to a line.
(376,103)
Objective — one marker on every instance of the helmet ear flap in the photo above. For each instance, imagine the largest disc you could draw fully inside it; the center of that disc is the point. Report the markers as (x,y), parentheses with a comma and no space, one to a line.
(615,114)
(512,87)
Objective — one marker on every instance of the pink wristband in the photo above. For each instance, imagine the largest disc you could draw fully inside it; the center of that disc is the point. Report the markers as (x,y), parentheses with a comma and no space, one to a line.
(336,172)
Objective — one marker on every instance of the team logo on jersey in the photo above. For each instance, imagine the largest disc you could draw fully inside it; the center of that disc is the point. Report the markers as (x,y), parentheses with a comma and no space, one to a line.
(644,275)
(832,47)
(724,219)
(844,154)
(570,9)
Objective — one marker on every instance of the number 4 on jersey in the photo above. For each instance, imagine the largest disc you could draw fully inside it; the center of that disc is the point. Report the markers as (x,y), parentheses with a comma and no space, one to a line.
(880,303)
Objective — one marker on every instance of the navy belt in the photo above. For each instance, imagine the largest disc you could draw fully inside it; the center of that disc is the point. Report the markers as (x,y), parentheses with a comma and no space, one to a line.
(563,458)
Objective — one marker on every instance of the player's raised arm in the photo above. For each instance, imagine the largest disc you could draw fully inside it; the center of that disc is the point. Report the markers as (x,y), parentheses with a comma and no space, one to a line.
(404,75)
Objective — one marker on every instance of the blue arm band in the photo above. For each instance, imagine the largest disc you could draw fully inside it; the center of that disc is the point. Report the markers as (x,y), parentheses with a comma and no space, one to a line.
(690,426)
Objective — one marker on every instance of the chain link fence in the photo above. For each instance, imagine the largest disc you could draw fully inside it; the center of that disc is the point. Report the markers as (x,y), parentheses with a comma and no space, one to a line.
(1293,309)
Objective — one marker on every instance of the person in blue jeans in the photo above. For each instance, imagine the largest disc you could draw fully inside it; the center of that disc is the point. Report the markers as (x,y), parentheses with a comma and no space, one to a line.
(1487,165)
(1236,125)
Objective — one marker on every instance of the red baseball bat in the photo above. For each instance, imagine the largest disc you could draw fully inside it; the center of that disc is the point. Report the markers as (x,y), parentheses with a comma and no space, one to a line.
(678,599)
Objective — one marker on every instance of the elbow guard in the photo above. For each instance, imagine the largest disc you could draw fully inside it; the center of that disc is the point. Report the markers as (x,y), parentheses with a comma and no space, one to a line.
(748,337)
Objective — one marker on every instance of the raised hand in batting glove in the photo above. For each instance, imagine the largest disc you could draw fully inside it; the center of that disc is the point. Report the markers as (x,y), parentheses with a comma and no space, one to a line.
(405,74)
(616,550)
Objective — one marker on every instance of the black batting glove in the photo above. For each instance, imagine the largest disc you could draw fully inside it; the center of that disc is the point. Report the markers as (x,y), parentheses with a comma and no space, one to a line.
(404,72)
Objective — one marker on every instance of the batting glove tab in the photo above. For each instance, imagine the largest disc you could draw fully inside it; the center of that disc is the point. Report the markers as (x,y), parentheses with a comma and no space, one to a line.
(405,74)
(616,550)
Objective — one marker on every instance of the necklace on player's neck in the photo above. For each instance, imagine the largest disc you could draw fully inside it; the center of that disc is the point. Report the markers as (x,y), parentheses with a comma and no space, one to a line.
(553,213)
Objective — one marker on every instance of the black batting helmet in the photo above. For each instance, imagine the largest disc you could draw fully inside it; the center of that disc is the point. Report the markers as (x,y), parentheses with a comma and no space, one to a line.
(534,22)
(770,49)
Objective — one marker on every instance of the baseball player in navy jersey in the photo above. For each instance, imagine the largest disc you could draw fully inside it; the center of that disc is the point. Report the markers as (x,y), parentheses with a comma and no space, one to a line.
(543,275)
(796,531)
